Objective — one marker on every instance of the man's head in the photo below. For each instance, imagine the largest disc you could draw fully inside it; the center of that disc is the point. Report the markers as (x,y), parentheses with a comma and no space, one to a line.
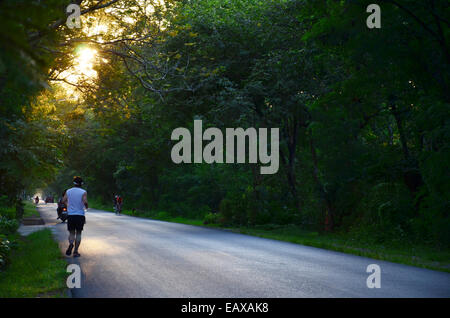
(77,181)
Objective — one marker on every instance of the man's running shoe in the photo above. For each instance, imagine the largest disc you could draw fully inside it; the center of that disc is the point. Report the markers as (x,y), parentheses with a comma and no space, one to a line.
(69,249)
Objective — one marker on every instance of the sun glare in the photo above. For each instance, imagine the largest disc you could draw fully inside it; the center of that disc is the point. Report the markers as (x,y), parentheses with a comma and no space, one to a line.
(84,62)
(82,70)
(85,59)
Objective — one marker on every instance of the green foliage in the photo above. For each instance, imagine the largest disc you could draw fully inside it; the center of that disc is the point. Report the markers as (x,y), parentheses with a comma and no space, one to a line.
(6,210)
(363,114)
(8,226)
(28,155)
(363,129)
(163,215)
(5,249)
(36,268)
(213,218)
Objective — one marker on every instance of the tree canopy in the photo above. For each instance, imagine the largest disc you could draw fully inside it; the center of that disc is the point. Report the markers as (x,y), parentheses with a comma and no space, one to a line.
(363,113)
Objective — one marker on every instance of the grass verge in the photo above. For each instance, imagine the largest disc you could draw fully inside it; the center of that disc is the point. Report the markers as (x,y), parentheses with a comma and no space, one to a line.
(36,268)
(30,210)
(420,256)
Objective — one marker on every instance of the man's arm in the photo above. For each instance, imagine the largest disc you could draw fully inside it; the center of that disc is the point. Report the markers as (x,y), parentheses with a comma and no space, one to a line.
(64,199)
(85,200)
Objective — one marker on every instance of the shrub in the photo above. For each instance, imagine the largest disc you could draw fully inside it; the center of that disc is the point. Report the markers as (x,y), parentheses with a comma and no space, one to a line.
(7,212)
(235,208)
(385,214)
(282,214)
(163,215)
(226,210)
(20,209)
(213,218)
(433,224)
(4,201)
(5,248)
(8,226)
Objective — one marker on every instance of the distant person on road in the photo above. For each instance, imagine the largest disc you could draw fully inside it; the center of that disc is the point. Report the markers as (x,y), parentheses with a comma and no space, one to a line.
(118,204)
(76,200)
(61,206)
(36,200)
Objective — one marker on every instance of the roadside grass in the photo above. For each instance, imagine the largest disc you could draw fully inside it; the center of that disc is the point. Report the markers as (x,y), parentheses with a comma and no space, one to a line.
(408,254)
(97,204)
(36,268)
(420,256)
(30,210)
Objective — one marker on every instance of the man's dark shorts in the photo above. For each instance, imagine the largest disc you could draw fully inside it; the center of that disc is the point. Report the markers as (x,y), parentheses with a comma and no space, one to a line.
(75,222)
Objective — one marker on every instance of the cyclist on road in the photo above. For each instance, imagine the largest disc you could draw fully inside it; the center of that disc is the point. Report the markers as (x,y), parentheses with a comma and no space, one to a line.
(118,204)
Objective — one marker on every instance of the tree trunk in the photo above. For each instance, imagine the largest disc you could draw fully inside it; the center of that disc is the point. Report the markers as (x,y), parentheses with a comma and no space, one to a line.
(328,216)
(291,137)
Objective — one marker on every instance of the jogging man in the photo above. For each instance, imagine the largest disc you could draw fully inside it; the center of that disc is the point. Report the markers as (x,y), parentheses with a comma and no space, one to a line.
(76,200)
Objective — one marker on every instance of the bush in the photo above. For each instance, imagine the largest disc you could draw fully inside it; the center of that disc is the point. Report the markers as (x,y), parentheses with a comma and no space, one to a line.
(163,215)
(7,212)
(433,223)
(226,210)
(4,201)
(20,209)
(384,214)
(261,216)
(282,215)
(5,248)
(235,208)
(8,226)
(213,218)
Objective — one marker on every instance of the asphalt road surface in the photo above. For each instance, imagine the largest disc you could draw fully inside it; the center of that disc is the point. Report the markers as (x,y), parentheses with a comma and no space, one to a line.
(123,256)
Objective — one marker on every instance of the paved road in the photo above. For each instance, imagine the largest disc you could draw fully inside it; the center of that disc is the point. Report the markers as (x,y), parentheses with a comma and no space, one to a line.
(123,256)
